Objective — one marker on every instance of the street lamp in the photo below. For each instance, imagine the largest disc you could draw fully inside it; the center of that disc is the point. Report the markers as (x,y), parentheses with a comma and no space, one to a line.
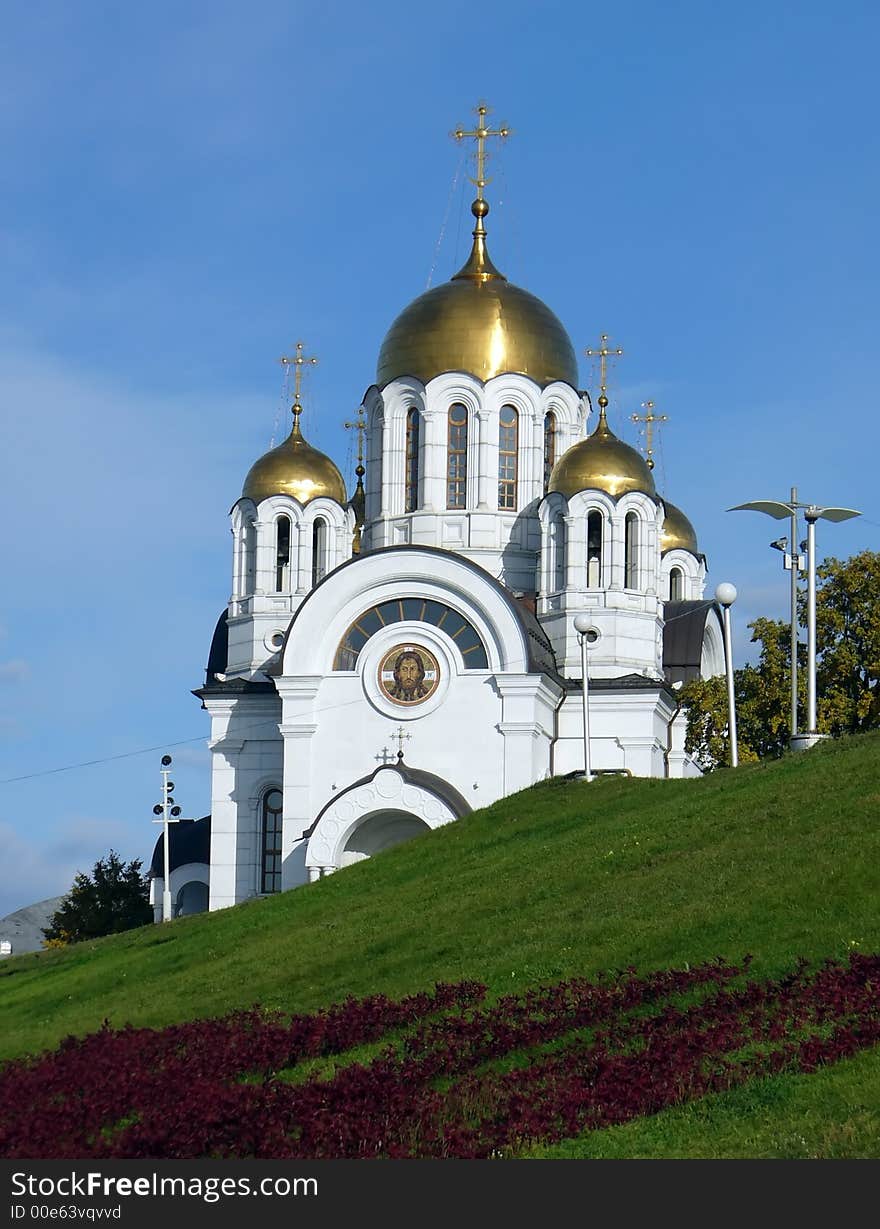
(725,595)
(587,637)
(794,562)
(169,813)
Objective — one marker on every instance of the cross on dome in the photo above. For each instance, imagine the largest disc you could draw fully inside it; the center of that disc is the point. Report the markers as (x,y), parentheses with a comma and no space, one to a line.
(649,419)
(480,134)
(297,362)
(603,354)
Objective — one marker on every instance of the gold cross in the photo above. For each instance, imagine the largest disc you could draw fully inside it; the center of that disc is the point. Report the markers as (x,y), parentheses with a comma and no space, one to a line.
(297,363)
(401,736)
(603,354)
(359,425)
(649,419)
(480,133)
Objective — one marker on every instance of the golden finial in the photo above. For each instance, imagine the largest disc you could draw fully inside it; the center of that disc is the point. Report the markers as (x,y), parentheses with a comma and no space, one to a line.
(649,419)
(480,135)
(479,267)
(603,353)
(297,362)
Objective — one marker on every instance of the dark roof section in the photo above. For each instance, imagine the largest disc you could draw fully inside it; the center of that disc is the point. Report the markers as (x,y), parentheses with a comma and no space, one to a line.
(411,776)
(190,842)
(218,654)
(623,682)
(236,687)
(684,627)
(541,659)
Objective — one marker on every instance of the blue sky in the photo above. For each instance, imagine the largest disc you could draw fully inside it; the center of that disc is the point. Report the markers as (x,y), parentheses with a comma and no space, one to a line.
(188,188)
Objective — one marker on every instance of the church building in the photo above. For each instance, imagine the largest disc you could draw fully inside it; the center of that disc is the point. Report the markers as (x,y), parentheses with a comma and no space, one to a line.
(392,660)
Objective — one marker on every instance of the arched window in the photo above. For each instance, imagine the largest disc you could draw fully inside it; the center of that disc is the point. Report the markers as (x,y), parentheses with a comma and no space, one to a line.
(319,550)
(549,447)
(595,534)
(456,457)
(270,857)
(508,442)
(631,551)
(282,554)
(557,558)
(412,461)
(249,542)
(676,585)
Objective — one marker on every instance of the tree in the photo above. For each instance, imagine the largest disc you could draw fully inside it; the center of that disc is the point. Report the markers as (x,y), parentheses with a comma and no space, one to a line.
(763,702)
(114,898)
(848,671)
(848,643)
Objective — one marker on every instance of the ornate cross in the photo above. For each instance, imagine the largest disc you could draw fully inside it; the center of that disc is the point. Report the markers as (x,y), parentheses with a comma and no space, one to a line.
(359,425)
(297,362)
(603,354)
(649,419)
(401,736)
(479,134)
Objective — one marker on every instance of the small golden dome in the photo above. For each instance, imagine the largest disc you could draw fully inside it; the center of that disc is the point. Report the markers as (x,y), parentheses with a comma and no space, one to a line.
(601,462)
(477,322)
(294,468)
(677,533)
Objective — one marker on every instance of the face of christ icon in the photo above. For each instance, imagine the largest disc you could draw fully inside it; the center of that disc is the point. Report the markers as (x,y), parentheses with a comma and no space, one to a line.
(408,675)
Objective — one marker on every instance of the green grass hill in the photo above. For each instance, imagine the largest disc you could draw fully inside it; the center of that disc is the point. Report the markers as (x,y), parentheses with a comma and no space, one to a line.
(565,879)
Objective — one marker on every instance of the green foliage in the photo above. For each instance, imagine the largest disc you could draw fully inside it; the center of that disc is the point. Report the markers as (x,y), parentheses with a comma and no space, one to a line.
(848,643)
(113,899)
(763,702)
(847,674)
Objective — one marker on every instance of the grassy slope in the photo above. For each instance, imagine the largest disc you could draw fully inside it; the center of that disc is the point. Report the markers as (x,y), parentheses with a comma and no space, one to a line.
(778,860)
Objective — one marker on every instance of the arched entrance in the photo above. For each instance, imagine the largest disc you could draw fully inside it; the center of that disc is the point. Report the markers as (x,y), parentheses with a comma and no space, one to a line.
(379,831)
(380,811)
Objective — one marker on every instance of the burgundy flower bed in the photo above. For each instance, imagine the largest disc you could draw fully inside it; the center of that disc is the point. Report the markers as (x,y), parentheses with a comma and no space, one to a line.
(456,1080)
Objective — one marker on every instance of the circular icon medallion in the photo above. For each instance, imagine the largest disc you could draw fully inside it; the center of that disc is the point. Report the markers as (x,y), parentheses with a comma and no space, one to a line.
(408,674)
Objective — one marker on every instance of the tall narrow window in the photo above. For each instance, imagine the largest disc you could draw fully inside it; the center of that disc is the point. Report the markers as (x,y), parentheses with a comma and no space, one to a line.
(631,551)
(282,554)
(549,447)
(319,551)
(594,550)
(508,441)
(270,857)
(456,457)
(412,461)
(557,538)
(676,585)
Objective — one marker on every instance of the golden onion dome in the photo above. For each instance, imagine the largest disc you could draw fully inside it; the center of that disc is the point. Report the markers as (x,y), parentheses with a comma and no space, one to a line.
(480,323)
(601,462)
(294,468)
(677,533)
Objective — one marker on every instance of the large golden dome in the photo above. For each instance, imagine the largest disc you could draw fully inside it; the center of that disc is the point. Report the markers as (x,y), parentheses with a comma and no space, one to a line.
(477,322)
(294,468)
(677,533)
(601,462)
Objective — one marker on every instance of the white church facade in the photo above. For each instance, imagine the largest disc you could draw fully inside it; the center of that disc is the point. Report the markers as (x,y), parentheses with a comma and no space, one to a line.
(391,661)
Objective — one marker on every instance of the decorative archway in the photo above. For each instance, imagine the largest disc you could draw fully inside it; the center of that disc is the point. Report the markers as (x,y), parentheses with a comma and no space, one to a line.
(385,809)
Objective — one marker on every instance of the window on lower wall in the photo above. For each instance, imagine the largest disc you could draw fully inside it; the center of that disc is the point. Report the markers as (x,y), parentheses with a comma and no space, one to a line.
(270,873)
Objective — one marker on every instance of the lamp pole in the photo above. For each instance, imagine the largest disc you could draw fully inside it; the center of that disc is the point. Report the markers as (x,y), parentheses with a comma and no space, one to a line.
(587,635)
(169,813)
(812,513)
(725,594)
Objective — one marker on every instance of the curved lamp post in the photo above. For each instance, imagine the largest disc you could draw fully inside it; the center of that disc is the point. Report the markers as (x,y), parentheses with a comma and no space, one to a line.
(812,513)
